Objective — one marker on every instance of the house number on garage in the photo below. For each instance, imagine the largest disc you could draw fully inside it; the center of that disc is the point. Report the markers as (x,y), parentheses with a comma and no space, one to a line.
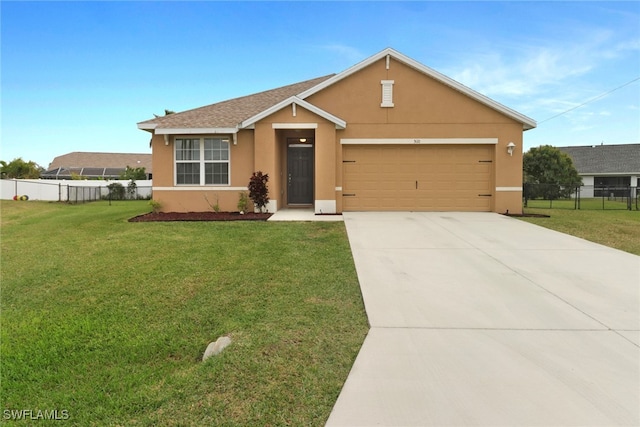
(416,141)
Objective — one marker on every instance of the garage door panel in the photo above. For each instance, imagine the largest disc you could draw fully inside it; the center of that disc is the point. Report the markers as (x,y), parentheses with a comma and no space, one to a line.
(428,178)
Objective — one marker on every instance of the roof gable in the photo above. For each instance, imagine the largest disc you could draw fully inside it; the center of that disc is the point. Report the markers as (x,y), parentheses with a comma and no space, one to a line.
(340,124)
(527,122)
(605,159)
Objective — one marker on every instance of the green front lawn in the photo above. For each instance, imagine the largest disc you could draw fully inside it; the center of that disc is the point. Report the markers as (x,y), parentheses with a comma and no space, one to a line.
(618,229)
(108,320)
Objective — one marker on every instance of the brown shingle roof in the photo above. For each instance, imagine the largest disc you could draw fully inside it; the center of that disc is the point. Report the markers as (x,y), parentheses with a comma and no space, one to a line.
(79,159)
(227,114)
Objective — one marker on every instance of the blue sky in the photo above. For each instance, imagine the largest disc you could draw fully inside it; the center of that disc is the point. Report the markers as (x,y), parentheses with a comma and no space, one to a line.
(78,76)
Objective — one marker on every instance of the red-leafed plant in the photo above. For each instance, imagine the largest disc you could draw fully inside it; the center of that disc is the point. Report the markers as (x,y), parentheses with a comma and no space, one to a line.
(258,191)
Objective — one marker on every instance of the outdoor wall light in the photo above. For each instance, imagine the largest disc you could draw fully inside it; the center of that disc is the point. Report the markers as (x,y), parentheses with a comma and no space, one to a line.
(166,139)
(510,147)
(303,139)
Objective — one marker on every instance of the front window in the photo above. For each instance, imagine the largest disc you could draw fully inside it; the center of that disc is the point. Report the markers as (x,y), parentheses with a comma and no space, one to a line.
(188,161)
(202,161)
(216,158)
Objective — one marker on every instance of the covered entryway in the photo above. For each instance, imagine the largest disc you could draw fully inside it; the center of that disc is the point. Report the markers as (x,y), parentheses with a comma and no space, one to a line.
(417,177)
(300,159)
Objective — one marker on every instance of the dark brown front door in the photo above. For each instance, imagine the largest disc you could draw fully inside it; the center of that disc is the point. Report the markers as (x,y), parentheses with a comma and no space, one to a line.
(300,173)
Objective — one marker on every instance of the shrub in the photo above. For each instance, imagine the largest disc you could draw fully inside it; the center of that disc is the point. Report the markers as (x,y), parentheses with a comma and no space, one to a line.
(258,191)
(116,191)
(243,202)
(215,206)
(132,190)
(155,205)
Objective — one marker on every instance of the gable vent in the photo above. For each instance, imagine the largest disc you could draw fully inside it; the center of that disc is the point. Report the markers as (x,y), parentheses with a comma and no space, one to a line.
(387,93)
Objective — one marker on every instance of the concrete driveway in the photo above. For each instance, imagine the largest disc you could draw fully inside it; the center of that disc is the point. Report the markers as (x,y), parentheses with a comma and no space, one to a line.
(482,320)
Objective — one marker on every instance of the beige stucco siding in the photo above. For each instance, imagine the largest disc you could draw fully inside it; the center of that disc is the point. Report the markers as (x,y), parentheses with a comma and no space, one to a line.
(162,160)
(325,160)
(242,158)
(418,99)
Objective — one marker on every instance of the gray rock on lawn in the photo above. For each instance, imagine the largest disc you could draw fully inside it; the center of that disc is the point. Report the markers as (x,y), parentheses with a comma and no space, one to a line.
(216,347)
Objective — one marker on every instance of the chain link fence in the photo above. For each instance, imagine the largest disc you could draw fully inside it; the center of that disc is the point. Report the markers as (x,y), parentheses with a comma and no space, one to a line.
(117,191)
(82,194)
(587,197)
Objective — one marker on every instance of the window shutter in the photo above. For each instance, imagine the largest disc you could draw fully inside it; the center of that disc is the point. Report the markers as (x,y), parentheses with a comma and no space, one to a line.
(387,93)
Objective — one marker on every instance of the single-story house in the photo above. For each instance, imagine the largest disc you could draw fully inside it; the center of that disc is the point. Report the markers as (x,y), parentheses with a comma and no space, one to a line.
(605,168)
(388,133)
(96,165)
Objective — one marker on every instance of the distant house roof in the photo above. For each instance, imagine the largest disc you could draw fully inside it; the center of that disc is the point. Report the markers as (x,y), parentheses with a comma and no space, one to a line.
(605,159)
(241,113)
(96,165)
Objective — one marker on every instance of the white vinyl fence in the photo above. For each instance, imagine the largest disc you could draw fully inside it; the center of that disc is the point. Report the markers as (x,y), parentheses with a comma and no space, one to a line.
(68,191)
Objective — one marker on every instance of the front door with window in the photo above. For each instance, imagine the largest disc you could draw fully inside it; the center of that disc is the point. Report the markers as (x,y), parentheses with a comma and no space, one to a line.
(300,172)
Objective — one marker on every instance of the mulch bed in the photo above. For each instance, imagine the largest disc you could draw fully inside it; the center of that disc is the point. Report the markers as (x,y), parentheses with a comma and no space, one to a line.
(527,215)
(201,216)
(236,216)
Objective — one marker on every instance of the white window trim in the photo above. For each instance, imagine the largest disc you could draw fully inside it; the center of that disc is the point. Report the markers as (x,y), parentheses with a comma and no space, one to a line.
(176,162)
(201,161)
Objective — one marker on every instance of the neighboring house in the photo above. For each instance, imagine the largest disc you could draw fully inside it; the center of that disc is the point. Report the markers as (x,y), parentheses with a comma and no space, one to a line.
(604,168)
(388,133)
(96,165)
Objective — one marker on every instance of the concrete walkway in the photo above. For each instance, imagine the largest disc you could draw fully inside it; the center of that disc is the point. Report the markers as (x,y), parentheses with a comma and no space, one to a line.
(482,320)
(301,214)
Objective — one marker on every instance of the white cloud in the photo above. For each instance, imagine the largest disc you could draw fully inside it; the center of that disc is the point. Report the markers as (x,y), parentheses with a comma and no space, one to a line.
(537,68)
(523,73)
